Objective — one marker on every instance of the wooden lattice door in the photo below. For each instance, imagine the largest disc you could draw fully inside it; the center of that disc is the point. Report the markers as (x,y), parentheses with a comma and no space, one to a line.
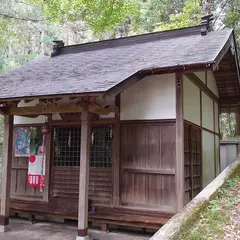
(192,161)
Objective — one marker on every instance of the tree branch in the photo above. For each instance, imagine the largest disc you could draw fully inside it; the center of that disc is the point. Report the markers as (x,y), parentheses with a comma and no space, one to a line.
(19,18)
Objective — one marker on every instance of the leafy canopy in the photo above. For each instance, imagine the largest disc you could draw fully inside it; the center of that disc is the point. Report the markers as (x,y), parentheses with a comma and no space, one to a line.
(189,16)
(100,15)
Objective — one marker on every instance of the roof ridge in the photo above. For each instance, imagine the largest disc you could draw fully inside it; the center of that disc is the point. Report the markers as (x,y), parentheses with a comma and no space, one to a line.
(130,40)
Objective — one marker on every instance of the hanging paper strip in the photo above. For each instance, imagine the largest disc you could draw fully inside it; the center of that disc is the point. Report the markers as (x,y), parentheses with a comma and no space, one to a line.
(22,142)
(36,171)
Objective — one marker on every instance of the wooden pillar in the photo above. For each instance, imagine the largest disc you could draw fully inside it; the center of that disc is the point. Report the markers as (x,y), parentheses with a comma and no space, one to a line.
(6,172)
(84,176)
(179,166)
(116,156)
(48,160)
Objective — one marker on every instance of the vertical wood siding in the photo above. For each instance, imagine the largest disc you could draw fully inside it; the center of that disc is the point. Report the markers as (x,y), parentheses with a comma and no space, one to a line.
(19,173)
(148,165)
(65,184)
(19,186)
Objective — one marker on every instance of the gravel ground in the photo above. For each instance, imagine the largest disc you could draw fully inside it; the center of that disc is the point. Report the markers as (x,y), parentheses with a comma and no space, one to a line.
(24,230)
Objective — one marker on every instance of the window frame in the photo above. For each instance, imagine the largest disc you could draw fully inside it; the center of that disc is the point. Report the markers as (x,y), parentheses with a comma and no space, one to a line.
(74,125)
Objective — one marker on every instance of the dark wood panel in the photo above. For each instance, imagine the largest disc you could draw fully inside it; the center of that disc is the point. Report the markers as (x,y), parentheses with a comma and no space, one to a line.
(19,185)
(148,145)
(147,176)
(65,184)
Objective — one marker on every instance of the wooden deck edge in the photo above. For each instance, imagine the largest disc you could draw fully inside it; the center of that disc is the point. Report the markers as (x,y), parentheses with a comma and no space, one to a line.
(189,214)
(103,220)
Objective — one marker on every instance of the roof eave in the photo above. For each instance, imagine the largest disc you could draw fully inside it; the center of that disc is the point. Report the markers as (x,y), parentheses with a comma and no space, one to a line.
(133,79)
(180,67)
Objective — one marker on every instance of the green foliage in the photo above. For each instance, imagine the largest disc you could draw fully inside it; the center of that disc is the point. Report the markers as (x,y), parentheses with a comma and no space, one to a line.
(155,13)
(210,225)
(232,182)
(100,15)
(190,16)
(228,126)
(232,18)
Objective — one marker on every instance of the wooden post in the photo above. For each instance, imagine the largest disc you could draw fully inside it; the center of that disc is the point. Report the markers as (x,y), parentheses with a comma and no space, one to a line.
(84,177)
(179,173)
(116,156)
(48,161)
(6,172)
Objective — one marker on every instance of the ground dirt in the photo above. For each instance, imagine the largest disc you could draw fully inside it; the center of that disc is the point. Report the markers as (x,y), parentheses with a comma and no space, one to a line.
(24,230)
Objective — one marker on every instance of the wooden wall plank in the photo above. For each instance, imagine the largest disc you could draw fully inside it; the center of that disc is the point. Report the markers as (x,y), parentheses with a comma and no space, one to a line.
(65,182)
(147,174)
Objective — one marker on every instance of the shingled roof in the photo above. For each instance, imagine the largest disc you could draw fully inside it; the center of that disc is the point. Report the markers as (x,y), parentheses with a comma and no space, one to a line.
(99,66)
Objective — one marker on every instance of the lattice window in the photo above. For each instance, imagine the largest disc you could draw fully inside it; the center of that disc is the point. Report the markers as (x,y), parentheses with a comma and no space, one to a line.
(67,146)
(196,161)
(187,163)
(192,161)
(101,147)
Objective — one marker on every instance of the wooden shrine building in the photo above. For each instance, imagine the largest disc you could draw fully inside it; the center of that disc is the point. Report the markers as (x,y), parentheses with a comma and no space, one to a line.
(134,126)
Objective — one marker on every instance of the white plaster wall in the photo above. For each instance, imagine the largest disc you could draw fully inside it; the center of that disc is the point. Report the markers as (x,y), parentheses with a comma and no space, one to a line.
(191,102)
(27,120)
(154,97)
(110,115)
(208,157)
(216,117)
(207,112)
(201,76)
(56,116)
(211,83)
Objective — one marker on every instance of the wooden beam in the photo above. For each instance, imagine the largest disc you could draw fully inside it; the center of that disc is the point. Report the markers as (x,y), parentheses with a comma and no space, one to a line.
(49,108)
(229,101)
(84,176)
(225,74)
(193,78)
(6,172)
(179,165)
